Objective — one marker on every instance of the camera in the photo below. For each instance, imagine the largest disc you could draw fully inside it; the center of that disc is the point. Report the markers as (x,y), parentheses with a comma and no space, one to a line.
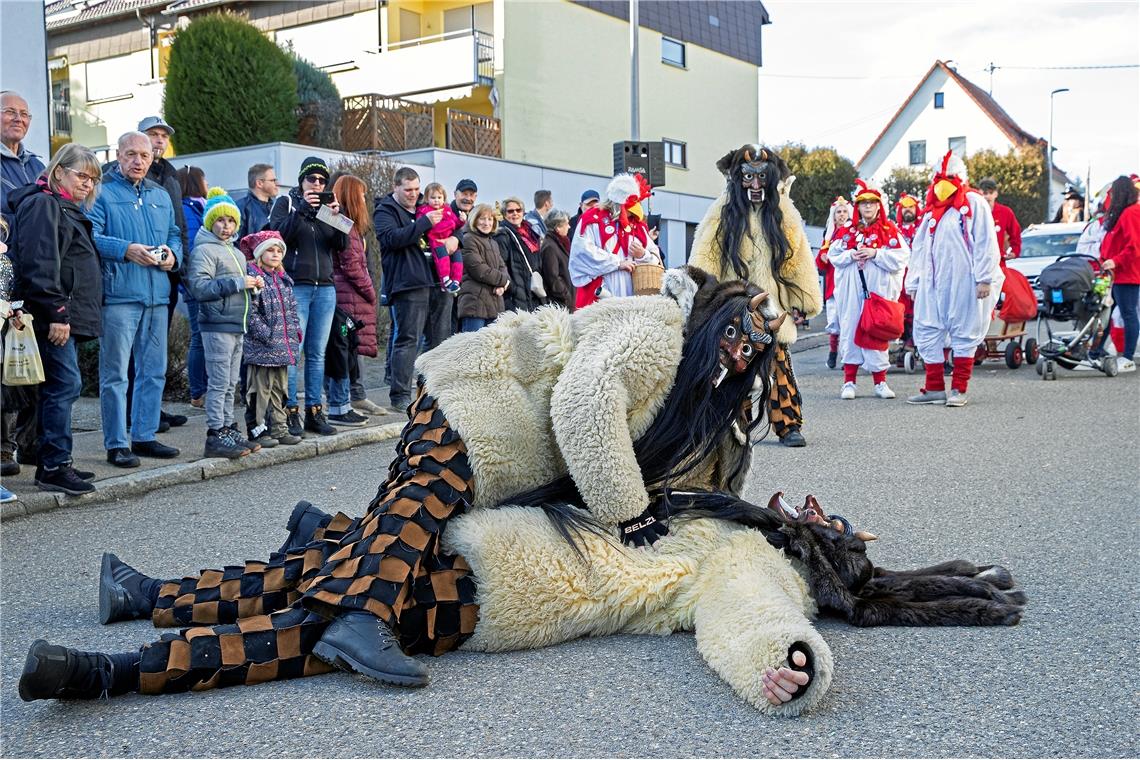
(159,254)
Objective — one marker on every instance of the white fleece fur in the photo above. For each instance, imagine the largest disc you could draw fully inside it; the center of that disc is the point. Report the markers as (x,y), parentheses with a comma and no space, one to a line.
(602,373)
(744,599)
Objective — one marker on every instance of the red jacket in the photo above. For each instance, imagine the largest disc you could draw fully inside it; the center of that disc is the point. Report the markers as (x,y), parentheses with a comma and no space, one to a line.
(1008,231)
(355,292)
(827,270)
(1122,246)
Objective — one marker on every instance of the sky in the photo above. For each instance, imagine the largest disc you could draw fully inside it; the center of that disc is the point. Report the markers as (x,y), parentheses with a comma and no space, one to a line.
(884,48)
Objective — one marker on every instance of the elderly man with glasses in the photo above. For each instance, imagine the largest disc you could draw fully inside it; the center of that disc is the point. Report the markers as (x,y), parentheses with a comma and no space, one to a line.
(18,165)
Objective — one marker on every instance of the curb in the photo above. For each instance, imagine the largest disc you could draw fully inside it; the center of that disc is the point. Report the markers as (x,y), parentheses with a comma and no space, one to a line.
(127,486)
(808,342)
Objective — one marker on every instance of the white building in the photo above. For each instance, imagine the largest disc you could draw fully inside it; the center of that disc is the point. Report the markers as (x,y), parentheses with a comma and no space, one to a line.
(945,112)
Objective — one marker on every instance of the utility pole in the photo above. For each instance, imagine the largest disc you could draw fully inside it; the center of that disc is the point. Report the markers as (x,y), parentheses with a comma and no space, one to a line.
(1049,170)
(634,78)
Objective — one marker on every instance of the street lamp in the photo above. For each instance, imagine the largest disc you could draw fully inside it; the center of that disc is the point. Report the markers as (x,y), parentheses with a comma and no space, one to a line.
(1049,170)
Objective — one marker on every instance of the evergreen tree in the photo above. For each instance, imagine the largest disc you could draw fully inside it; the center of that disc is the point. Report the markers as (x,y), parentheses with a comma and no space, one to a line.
(320,106)
(1020,176)
(228,85)
(821,175)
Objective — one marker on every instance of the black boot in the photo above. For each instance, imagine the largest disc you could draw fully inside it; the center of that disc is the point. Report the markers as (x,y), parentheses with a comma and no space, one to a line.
(302,525)
(124,593)
(55,672)
(793,438)
(831,357)
(362,643)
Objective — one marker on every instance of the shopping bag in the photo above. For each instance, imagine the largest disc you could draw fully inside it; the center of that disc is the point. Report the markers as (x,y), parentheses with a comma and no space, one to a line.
(881,320)
(22,364)
(1020,305)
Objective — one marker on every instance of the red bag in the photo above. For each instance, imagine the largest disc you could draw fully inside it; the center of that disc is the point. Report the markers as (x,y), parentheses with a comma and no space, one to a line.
(1019,305)
(881,320)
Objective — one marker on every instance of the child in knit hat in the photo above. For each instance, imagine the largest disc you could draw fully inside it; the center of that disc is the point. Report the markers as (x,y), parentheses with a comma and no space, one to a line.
(272,342)
(218,281)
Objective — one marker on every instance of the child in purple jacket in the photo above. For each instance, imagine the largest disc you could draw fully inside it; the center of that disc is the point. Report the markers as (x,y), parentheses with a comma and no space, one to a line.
(449,267)
(272,341)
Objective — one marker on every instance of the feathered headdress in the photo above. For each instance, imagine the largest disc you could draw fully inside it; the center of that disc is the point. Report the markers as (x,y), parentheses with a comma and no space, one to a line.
(627,191)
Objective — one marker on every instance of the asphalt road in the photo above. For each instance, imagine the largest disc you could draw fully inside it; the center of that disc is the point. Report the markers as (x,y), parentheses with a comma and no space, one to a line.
(1040,476)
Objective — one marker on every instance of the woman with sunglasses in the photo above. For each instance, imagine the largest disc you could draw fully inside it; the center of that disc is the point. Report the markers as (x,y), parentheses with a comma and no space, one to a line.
(61,284)
(519,246)
(311,245)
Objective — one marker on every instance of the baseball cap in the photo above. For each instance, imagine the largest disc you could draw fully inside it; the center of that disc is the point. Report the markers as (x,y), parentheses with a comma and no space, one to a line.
(151,122)
(590,194)
(466,184)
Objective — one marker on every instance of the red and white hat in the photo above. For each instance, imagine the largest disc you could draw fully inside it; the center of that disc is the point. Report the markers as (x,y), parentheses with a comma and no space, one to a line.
(256,243)
(864,192)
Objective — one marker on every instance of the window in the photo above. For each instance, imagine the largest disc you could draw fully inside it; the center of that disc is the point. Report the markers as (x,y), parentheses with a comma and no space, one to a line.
(675,153)
(957,146)
(917,152)
(114,78)
(672,52)
(939,99)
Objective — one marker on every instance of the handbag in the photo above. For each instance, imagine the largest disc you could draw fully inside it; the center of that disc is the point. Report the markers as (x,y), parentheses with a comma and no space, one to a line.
(22,364)
(881,320)
(536,285)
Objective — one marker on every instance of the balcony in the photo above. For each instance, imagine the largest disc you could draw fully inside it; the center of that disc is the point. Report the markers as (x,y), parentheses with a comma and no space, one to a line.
(472,133)
(415,68)
(61,118)
(379,122)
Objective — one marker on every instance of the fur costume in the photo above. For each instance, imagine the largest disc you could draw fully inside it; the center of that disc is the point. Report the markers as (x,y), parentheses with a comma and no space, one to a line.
(756,253)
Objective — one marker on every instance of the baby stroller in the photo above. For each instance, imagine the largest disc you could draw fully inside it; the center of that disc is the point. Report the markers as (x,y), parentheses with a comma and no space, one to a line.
(1073,291)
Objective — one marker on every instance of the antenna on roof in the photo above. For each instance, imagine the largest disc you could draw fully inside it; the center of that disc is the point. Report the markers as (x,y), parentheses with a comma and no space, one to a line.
(991,69)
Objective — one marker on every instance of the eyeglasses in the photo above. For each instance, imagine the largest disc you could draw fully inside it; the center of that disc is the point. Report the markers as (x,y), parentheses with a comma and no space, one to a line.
(12,113)
(273,179)
(83,176)
(512,211)
(315,179)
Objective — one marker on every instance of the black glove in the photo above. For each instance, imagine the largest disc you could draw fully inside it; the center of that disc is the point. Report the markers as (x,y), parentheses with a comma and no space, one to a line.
(642,530)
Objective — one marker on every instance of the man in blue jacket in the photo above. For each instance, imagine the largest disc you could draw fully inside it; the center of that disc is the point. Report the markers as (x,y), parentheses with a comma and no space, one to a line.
(139,242)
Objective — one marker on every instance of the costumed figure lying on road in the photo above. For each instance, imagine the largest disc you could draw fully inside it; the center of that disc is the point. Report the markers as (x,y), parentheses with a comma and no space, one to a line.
(588,422)
(869,255)
(753,232)
(837,216)
(955,278)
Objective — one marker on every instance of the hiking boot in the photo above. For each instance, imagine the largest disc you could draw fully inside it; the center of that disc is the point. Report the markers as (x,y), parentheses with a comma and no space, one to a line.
(293,422)
(927,397)
(793,438)
(82,474)
(365,406)
(235,435)
(55,672)
(9,467)
(122,458)
(848,391)
(123,591)
(831,357)
(317,422)
(956,398)
(284,437)
(302,526)
(62,479)
(260,435)
(362,643)
(882,390)
(220,444)
(348,419)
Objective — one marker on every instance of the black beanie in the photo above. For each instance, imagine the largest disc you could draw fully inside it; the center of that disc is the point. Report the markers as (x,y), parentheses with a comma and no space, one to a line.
(313,165)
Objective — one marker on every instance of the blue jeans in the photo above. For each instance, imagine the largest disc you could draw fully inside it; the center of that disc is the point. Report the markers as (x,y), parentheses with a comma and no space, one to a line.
(417,315)
(131,327)
(315,307)
(195,355)
(471,324)
(1127,298)
(57,395)
(338,390)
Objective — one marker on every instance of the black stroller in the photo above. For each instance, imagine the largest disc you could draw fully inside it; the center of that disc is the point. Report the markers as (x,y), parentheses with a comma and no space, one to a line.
(1073,291)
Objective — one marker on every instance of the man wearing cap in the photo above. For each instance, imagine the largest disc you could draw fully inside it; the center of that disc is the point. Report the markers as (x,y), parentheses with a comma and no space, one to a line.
(589,199)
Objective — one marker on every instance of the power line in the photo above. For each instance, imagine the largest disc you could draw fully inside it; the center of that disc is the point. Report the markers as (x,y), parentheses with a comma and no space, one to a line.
(1069,68)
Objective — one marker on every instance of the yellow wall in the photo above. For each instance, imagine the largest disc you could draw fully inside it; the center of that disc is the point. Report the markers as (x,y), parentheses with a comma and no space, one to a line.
(431,15)
(564,94)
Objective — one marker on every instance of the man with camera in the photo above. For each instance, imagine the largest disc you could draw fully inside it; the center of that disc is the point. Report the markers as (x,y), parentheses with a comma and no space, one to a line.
(139,243)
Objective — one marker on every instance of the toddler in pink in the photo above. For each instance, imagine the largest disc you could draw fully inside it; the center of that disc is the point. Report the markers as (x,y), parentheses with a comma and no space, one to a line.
(449,267)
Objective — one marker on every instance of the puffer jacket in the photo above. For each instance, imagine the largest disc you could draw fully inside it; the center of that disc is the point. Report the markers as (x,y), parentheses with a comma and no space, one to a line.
(355,292)
(311,243)
(217,282)
(483,271)
(274,336)
(56,261)
(127,213)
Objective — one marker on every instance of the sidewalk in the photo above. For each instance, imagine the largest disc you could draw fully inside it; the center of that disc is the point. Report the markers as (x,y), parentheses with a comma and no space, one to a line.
(113,483)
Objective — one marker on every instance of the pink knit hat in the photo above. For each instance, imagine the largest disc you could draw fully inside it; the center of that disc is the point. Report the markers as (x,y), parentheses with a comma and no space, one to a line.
(254,244)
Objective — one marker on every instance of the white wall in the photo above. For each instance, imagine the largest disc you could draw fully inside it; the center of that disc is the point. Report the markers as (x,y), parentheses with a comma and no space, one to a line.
(23,65)
(98,124)
(920,120)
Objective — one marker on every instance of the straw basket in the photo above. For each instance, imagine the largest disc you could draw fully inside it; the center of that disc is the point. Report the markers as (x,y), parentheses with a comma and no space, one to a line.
(647,279)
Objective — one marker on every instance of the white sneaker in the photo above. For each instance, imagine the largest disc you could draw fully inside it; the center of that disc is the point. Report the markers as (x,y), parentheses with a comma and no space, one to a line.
(848,391)
(1125,365)
(882,390)
(956,398)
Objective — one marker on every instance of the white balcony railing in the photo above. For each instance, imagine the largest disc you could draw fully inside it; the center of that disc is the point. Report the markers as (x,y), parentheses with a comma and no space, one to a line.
(439,62)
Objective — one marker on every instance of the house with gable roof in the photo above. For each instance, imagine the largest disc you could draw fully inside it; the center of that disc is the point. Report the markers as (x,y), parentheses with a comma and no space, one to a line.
(944,112)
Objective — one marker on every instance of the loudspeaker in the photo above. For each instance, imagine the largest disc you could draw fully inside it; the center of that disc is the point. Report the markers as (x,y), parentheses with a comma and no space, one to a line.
(646,158)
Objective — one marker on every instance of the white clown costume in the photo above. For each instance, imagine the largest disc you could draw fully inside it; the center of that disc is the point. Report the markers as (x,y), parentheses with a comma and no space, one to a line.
(883,274)
(955,251)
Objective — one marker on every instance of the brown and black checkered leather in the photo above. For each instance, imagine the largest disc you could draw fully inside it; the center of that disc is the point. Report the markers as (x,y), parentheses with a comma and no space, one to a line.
(259,621)
(785,407)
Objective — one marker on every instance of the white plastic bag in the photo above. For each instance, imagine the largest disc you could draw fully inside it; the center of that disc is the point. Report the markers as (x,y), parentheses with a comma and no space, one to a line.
(22,364)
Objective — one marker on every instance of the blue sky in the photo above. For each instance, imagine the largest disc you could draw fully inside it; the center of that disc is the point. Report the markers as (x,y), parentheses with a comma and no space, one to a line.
(884,48)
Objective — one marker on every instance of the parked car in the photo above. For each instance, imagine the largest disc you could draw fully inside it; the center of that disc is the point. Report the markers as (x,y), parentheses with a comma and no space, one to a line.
(1041,244)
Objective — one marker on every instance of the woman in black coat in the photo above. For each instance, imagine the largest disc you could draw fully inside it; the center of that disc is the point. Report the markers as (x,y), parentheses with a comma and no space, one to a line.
(555,258)
(520,252)
(61,283)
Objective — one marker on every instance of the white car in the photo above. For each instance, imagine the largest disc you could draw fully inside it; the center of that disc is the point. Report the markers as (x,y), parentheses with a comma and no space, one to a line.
(1041,245)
